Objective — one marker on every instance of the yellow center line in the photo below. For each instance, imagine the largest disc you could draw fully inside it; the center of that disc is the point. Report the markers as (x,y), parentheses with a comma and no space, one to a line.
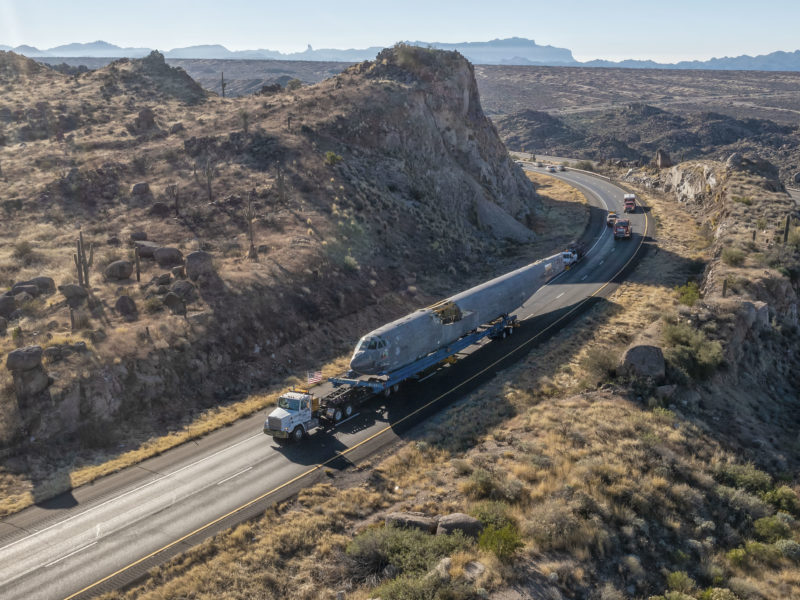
(373,436)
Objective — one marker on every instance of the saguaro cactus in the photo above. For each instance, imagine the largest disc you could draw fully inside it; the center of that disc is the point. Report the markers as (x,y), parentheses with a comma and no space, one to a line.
(223,83)
(83,261)
(250,215)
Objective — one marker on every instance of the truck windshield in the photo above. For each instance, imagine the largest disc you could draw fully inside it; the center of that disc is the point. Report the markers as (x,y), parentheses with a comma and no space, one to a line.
(289,404)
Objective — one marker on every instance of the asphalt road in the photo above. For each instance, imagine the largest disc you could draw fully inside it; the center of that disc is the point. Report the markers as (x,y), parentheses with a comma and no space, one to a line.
(102,536)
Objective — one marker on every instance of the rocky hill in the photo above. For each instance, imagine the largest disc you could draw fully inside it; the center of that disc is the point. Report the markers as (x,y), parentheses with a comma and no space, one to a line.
(271,231)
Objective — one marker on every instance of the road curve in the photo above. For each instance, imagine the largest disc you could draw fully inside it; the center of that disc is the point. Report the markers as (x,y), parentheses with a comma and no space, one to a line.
(104,535)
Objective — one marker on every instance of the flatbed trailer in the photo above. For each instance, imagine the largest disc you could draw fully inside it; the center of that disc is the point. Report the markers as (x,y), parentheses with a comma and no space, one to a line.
(300,412)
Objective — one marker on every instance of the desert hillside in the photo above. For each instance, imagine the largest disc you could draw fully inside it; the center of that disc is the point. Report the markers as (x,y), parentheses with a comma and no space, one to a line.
(227,244)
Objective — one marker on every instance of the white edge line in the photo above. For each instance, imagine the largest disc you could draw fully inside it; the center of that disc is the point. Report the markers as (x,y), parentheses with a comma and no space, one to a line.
(58,560)
(129,492)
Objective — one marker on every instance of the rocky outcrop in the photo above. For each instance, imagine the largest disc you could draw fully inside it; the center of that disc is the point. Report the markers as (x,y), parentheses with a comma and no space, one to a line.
(168,257)
(199,264)
(75,294)
(7,305)
(126,307)
(662,159)
(411,520)
(30,378)
(643,361)
(118,270)
(469,526)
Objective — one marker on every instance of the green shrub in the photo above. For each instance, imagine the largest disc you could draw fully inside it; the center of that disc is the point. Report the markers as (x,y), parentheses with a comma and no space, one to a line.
(350,263)
(691,351)
(331,158)
(425,588)
(688,294)
(153,305)
(766,554)
(771,529)
(493,514)
(410,551)
(601,363)
(743,200)
(294,84)
(732,257)
(584,165)
(737,557)
(788,549)
(484,484)
(679,581)
(784,498)
(745,476)
(24,253)
(503,542)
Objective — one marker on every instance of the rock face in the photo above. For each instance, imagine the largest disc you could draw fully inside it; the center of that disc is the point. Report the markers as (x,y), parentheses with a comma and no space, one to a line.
(459,522)
(411,520)
(168,257)
(30,378)
(662,159)
(119,270)
(198,264)
(644,361)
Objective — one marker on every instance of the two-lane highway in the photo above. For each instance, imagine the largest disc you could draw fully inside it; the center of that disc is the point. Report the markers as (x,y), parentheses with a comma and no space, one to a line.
(106,534)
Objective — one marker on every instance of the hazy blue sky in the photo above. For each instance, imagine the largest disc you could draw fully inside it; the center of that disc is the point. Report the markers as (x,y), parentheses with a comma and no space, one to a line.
(613,29)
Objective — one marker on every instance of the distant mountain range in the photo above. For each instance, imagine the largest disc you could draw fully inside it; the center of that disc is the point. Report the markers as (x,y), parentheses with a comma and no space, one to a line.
(510,51)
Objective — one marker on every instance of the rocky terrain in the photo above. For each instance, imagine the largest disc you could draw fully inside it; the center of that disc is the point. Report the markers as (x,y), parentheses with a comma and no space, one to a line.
(226,244)
(649,450)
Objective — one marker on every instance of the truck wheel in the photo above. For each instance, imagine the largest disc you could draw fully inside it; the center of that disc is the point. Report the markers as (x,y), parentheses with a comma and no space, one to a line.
(387,392)
(395,388)
(510,330)
(503,335)
(337,415)
(348,410)
(298,434)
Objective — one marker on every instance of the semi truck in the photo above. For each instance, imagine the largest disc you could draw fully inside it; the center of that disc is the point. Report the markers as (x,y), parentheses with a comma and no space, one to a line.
(414,346)
(622,229)
(629,200)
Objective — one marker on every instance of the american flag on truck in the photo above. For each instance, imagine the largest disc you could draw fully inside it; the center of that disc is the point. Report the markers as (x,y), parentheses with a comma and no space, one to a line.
(314,376)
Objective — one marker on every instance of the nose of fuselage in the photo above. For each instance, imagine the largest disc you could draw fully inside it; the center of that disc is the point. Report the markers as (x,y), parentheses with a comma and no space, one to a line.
(363,362)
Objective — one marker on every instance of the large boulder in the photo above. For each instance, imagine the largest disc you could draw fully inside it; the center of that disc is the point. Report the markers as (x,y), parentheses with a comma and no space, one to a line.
(140,189)
(184,289)
(138,236)
(159,209)
(662,159)
(796,178)
(26,288)
(175,303)
(198,264)
(118,270)
(75,294)
(168,257)
(469,526)
(24,359)
(145,120)
(7,306)
(126,307)
(644,361)
(411,520)
(45,285)
(146,248)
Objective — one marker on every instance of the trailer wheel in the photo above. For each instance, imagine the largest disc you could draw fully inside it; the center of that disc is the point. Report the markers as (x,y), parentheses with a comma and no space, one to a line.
(387,392)
(337,415)
(395,388)
(503,335)
(348,410)
(298,434)
(510,330)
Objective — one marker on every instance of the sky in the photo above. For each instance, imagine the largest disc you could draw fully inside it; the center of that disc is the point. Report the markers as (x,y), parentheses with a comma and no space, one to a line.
(608,29)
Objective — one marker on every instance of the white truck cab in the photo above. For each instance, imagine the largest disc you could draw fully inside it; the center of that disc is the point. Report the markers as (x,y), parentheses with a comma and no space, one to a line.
(294,416)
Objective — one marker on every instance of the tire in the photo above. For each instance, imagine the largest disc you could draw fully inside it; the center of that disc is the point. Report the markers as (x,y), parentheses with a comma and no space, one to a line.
(298,434)
(337,415)
(395,388)
(387,392)
(348,410)
(510,331)
(503,335)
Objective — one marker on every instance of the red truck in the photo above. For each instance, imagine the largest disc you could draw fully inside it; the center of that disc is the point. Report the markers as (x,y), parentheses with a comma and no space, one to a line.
(622,229)
(629,200)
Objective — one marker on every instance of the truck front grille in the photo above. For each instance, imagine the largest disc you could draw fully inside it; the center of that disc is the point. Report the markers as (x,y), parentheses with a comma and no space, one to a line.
(274,423)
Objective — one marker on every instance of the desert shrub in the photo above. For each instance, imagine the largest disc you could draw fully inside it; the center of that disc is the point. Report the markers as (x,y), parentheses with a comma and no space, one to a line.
(153,305)
(503,541)
(742,502)
(784,498)
(584,165)
(350,263)
(410,551)
(461,466)
(493,514)
(788,549)
(765,554)
(484,484)
(743,200)
(737,557)
(331,158)
(425,588)
(25,253)
(294,84)
(679,581)
(600,363)
(691,351)
(745,476)
(688,294)
(771,529)
(732,257)
(717,594)
(141,164)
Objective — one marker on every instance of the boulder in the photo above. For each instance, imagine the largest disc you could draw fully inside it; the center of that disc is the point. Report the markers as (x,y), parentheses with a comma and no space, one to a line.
(473,570)
(796,178)
(27,288)
(24,359)
(140,189)
(46,285)
(178,272)
(665,392)
(119,269)
(138,236)
(22,298)
(146,249)
(168,257)
(159,209)
(3,325)
(176,128)
(31,382)
(175,303)
(146,119)
(7,306)
(448,524)
(662,159)
(53,354)
(411,520)
(198,264)
(644,361)
(75,294)
(126,307)
(113,241)
(184,289)
(163,279)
